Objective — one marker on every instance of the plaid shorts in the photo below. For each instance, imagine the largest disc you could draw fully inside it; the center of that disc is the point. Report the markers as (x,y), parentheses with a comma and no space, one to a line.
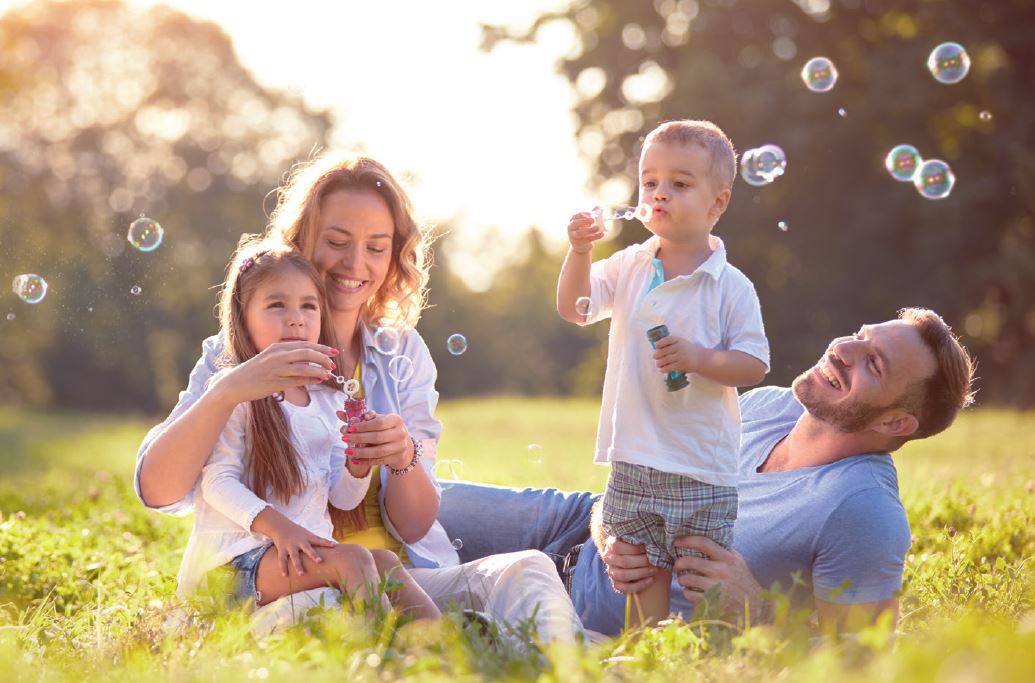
(648,506)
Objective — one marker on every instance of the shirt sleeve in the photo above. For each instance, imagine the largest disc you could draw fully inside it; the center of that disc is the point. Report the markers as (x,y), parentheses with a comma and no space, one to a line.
(344,490)
(603,283)
(862,549)
(744,330)
(418,399)
(222,478)
(196,385)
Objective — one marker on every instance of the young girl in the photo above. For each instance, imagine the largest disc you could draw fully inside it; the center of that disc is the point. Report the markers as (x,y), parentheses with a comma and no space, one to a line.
(262,509)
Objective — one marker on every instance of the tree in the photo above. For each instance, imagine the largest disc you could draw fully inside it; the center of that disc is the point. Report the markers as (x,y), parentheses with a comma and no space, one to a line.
(109,112)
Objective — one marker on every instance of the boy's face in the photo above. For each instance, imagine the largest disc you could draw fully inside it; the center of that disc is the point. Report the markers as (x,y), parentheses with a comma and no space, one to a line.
(675,180)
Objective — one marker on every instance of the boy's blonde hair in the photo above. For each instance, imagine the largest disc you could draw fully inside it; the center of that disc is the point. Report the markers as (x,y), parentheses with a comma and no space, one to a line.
(723,168)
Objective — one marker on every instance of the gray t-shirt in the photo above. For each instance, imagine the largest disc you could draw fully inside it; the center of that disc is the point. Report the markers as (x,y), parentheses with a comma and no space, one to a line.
(836,532)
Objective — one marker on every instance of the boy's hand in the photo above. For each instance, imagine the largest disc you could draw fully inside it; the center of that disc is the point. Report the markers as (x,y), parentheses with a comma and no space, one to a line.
(675,354)
(583,231)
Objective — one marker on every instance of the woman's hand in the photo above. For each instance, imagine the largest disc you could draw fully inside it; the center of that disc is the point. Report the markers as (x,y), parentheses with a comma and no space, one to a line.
(276,368)
(378,439)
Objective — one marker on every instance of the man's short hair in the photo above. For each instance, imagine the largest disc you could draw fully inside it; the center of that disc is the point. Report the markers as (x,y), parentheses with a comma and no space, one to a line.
(938,399)
(723,168)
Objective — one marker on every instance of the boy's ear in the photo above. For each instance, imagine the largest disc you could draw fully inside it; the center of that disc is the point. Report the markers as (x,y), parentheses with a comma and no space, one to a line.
(722,200)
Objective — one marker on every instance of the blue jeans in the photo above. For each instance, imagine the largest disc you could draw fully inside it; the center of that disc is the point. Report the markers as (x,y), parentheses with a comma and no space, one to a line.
(497,519)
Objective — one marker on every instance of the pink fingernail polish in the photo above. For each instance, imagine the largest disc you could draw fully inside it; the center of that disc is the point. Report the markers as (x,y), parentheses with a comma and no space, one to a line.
(351,429)
(349,451)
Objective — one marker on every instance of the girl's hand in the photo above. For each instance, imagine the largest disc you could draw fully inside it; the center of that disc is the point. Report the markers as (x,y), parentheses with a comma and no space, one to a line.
(378,439)
(277,367)
(675,354)
(290,540)
(583,231)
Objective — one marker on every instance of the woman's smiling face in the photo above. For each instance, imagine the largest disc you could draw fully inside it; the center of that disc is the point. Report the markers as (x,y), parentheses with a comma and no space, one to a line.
(353,249)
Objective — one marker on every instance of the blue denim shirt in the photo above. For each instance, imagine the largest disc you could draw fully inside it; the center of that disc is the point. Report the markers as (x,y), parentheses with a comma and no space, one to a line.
(414,400)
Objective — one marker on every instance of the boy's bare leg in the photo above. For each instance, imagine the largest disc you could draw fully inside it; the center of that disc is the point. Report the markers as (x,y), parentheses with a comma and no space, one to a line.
(653,601)
(410,598)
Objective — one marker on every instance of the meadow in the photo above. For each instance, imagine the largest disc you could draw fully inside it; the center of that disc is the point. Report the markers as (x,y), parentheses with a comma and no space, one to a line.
(87,575)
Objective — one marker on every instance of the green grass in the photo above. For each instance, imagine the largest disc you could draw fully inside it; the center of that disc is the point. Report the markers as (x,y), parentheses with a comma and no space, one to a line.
(87,576)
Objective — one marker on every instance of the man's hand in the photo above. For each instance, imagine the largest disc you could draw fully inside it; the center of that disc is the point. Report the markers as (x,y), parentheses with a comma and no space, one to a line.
(627,565)
(723,568)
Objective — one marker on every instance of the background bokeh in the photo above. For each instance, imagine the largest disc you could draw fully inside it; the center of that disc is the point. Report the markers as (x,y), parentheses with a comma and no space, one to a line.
(108,111)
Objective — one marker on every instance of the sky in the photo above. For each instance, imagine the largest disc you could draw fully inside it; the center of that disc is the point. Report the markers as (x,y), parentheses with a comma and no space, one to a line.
(488,137)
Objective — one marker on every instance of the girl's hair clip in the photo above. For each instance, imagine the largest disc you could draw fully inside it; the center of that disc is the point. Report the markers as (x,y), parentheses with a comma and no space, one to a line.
(250,261)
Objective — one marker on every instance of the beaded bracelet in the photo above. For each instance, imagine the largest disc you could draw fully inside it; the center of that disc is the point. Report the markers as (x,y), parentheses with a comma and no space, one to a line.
(418,453)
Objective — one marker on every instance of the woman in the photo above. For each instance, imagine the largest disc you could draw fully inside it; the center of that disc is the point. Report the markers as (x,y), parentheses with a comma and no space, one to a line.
(351,218)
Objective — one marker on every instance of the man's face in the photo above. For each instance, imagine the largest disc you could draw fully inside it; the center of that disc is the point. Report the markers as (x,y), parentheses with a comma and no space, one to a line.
(861,377)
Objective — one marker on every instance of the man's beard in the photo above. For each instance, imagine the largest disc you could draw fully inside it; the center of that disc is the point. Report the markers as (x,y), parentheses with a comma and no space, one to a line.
(849,418)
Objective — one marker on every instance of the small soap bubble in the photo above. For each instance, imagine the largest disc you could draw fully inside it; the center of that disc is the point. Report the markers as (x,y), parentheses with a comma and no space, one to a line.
(934,180)
(400,368)
(985,116)
(535,454)
(457,344)
(782,225)
(145,234)
(948,63)
(10,316)
(457,544)
(842,112)
(30,288)
(386,340)
(902,162)
(819,74)
(135,290)
(584,306)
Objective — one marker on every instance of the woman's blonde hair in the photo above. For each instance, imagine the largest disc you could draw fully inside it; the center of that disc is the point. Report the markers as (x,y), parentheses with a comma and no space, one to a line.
(271,462)
(296,220)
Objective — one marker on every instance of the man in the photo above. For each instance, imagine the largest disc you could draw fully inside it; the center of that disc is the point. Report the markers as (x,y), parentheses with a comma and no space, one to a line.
(820,518)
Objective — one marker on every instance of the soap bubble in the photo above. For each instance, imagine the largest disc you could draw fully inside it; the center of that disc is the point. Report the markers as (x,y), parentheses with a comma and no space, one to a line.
(10,316)
(535,454)
(949,63)
(400,368)
(935,179)
(819,74)
(386,340)
(457,544)
(782,225)
(763,165)
(842,112)
(135,290)
(145,234)
(30,288)
(902,162)
(985,116)
(457,344)
(584,306)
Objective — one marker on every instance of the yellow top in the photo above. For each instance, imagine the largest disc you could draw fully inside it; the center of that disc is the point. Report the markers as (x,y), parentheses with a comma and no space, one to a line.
(375,536)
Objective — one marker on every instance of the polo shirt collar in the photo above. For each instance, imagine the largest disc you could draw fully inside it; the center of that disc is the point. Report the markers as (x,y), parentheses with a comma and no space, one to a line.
(713,265)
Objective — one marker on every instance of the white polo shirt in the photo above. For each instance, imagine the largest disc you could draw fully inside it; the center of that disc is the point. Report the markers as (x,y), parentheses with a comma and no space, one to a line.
(694,431)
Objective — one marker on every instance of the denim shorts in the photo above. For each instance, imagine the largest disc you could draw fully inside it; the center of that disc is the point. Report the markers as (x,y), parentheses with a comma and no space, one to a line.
(245,566)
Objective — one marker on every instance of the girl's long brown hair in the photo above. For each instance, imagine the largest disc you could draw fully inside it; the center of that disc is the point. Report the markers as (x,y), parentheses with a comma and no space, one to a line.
(272,465)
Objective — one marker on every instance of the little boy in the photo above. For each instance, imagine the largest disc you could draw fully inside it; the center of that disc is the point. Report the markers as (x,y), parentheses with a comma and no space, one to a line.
(672,447)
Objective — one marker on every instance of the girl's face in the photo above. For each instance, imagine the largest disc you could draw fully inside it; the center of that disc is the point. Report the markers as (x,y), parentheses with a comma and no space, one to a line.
(353,249)
(286,307)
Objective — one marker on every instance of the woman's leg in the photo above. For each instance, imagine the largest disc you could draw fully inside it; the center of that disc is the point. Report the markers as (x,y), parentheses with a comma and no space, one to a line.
(410,597)
(348,567)
(513,588)
(494,519)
